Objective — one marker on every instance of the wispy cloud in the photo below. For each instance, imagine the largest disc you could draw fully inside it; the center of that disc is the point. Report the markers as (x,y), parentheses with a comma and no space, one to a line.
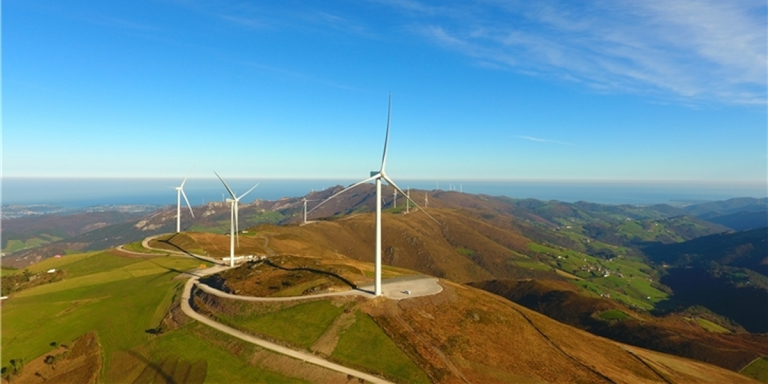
(685,50)
(531,138)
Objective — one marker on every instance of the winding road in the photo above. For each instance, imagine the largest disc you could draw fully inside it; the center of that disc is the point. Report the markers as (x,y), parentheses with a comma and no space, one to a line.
(303,356)
(396,289)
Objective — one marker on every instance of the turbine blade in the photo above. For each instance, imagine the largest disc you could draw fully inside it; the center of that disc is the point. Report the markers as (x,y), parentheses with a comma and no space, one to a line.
(249,191)
(386,139)
(392,183)
(226,185)
(187,176)
(342,191)
(187,200)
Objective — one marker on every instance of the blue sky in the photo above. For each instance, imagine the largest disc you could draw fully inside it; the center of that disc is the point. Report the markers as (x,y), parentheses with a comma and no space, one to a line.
(511,90)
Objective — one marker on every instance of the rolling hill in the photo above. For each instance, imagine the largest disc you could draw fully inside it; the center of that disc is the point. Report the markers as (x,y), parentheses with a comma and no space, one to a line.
(691,336)
(462,334)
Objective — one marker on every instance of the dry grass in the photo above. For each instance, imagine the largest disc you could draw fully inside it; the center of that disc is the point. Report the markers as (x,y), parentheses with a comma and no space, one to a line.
(80,362)
(488,339)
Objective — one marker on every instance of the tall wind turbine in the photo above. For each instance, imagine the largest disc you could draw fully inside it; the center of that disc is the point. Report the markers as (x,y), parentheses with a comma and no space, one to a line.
(377,176)
(234,222)
(179,194)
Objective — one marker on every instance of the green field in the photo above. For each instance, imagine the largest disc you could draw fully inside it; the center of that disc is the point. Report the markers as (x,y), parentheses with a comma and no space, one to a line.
(757,370)
(14,245)
(710,326)
(628,280)
(136,246)
(121,299)
(613,314)
(366,346)
(300,325)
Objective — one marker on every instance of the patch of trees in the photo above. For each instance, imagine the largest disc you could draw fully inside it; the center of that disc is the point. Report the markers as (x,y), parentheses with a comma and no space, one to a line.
(25,280)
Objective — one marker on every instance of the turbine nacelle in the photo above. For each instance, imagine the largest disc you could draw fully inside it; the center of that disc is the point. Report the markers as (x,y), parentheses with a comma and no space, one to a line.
(234,223)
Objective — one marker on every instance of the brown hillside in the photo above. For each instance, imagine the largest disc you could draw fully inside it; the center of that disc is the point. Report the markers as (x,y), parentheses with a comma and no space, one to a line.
(467,335)
(464,332)
(461,248)
(672,335)
(489,339)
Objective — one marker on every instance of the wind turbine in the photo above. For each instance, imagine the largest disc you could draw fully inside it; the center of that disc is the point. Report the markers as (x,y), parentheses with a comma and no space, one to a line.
(305,209)
(408,203)
(234,222)
(426,199)
(394,201)
(377,176)
(179,194)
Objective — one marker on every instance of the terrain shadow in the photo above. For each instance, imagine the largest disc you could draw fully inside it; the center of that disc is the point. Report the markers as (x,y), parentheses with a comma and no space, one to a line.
(175,270)
(184,251)
(312,270)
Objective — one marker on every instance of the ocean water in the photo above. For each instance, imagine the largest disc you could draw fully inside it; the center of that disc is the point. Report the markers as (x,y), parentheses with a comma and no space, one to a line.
(74,192)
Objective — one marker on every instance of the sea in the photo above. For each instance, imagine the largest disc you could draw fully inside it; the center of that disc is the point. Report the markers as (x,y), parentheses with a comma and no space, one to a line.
(84,192)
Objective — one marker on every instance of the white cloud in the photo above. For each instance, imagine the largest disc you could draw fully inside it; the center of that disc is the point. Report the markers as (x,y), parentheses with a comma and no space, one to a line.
(531,138)
(685,50)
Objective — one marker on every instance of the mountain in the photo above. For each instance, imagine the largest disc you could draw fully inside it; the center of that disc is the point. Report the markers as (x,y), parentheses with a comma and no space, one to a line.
(725,207)
(461,334)
(33,231)
(726,273)
(681,335)
(741,220)
(746,249)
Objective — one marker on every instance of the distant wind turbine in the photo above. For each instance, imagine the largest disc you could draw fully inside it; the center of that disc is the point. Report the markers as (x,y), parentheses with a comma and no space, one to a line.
(305,209)
(394,200)
(408,203)
(234,224)
(377,176)
(426,199)
(179,194)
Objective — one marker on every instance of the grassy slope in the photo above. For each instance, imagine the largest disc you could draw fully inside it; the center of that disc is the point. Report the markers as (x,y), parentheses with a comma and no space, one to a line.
(119,298)
(300,324)
(758,370)
(365,345)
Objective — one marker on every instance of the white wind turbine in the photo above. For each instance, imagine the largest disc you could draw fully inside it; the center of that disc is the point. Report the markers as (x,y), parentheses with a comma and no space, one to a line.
(408,203)
(394,199)
(179,194)
(377,176)
(305,209)
(234,222)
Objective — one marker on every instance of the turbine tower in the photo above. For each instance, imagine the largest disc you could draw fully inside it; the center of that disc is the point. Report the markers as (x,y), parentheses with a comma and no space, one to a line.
(394,199)
(408,203)
(234,225)
(305,209)
(179,194)
(377,176)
